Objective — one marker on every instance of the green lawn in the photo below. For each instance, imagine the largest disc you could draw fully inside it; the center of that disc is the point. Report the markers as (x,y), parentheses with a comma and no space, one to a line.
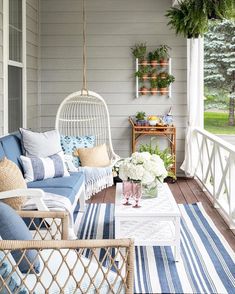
(217,123)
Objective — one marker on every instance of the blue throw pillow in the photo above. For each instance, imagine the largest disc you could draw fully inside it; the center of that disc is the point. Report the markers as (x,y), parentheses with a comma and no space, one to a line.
(71,143)
(12,227)
(12,278)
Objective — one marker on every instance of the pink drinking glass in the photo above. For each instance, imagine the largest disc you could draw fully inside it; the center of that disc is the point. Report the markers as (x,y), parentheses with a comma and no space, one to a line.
(136,193)
(127,191)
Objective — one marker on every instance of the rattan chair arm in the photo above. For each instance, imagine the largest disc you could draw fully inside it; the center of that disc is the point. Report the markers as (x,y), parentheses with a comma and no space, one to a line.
(65,244)
(47,215)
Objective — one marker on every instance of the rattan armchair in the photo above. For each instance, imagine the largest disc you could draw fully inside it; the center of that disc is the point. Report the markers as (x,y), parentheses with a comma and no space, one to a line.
(78,266)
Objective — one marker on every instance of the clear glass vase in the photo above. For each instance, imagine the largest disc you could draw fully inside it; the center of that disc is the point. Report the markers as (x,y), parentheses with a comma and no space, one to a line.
(150,191)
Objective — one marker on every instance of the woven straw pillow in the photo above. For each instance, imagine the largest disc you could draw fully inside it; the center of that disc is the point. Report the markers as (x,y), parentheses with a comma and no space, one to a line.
(93,157)
(11,178)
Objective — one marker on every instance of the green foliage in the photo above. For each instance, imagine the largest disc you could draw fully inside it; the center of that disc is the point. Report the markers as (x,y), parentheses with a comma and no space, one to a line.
(139,50)
(165,155)
(140,115)
(153,55)
(216,99)
(219,45)
(163,52)
(186,20)
(215,9)
(217,123)
(154,83)
(153,71)
(166,81)
(190,18)
(142,71)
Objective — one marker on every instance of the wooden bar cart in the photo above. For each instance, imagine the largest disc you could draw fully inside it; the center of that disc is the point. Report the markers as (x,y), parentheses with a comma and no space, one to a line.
(167,131)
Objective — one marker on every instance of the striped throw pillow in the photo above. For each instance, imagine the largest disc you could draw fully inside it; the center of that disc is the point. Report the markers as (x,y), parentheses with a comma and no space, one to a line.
(40,168)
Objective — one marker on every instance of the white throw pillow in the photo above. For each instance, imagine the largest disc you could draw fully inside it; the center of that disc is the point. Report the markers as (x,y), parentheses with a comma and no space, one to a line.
(40,144)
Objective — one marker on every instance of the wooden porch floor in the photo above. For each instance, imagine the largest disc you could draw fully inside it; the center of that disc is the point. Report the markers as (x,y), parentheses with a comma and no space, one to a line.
(185,191)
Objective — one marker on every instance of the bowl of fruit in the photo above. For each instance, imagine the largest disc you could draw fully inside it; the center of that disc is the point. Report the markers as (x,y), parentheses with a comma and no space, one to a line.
(153,120)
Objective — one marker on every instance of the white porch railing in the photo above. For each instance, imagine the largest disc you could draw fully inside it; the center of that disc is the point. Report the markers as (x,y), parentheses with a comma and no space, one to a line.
(216,172)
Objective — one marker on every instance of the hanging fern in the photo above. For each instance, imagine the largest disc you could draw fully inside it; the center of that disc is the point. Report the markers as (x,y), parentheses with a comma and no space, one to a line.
(215,9)
(190,18)
(186,20)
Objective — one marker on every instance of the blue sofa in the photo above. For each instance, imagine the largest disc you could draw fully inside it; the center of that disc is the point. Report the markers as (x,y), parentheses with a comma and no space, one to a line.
(71,187)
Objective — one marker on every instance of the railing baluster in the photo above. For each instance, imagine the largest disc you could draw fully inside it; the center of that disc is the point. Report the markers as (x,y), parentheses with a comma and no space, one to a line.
(232,192)
(216,171)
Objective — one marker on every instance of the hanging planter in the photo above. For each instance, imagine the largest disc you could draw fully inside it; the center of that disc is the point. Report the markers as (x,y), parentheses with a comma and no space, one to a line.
(139,51)
(154,84)
(153,58)
(144,90)
(163,75)
(153,74)
(186,20)
(164,83)
(163,54)
(190,18)
(143,73)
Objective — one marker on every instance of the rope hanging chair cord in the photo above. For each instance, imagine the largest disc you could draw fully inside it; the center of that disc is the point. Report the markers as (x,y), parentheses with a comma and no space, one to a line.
(84,81)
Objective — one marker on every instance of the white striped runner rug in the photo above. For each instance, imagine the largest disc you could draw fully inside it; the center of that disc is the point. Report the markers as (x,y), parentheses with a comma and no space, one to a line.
(207,261)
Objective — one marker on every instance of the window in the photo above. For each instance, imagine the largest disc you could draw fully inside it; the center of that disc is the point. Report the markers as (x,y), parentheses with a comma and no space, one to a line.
(15,64)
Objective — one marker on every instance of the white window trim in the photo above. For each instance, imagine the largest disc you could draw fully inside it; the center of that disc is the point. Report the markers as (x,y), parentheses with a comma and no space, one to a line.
(7,62)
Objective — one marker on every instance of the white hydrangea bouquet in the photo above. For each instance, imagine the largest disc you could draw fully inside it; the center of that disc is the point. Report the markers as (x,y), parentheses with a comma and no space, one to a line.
(144,167)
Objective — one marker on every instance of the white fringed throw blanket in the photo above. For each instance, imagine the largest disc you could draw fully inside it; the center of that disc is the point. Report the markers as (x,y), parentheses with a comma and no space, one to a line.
(96,179)
(54,202)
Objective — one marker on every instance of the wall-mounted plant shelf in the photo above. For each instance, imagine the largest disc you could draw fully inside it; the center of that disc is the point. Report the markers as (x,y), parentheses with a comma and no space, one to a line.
(146,81)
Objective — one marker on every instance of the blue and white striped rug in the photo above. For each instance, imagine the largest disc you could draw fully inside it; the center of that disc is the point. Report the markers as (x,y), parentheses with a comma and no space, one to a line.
(207,261)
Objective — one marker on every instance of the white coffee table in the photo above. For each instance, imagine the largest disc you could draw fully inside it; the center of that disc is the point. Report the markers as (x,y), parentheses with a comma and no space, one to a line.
(155,223)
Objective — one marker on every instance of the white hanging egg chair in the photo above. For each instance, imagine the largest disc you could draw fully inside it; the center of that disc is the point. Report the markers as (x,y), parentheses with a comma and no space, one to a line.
(85,113)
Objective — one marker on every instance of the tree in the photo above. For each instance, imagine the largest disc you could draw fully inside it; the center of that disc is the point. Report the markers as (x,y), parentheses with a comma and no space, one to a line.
(219,65)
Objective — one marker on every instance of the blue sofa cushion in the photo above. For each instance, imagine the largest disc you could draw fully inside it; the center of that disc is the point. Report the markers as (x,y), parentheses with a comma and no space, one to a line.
(11,145)
(2,153)
(12,227)
(65,186)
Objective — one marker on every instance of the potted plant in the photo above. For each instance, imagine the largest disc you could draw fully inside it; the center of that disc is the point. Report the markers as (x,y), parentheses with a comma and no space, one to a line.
(154,85)
(143,73)
(163,54)
(187,20)
(163,74)
(165,155)
(140,118)
(144,90)
(139,51)
(153,74)
(163,83)
(215,9)
(153,58)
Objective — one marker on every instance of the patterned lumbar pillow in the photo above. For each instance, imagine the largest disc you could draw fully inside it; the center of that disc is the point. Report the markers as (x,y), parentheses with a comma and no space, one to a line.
(40,144)
(71,143)
(94,157)
(40,168)
(11,178)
